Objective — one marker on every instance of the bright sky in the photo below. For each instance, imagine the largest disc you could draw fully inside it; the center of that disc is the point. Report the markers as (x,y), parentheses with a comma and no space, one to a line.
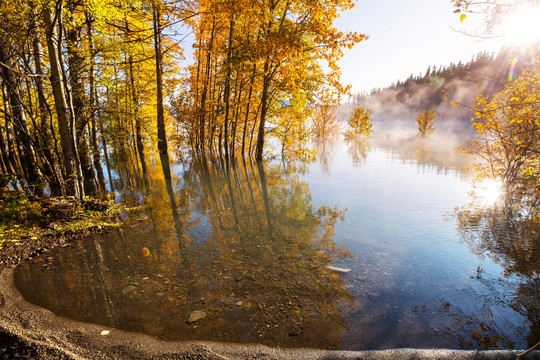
(405,38)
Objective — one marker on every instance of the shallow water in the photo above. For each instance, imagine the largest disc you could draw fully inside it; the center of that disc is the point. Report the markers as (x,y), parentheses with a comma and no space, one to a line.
(426,264)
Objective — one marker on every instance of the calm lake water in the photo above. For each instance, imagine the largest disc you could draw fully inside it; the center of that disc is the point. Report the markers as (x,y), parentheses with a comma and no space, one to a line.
(420,263)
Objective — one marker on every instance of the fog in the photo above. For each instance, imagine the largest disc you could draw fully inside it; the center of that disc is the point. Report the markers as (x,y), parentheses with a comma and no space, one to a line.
(394,113)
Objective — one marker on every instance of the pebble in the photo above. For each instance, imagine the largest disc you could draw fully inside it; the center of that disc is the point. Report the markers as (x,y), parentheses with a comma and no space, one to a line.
(129,289)
(196,315)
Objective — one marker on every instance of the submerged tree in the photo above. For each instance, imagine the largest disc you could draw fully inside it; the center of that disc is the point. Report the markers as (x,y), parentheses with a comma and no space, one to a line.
(324,124)
(360,124)
(85,80)
(426,122)
(252,62)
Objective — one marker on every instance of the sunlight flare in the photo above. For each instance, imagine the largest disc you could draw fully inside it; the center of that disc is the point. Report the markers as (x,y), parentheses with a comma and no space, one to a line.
(488,191)
(522,26)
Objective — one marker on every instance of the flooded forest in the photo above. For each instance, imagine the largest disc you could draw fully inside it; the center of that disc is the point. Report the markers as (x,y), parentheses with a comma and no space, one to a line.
(261,201)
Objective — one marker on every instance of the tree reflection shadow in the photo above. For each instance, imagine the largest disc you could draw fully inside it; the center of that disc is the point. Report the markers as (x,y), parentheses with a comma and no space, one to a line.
(243,243)
(325,148)
(358,150)
(509,234)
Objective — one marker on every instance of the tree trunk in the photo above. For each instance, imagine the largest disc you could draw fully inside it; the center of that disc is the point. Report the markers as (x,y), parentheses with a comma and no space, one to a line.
(202,114)
(264,104)
(138,130)
(26,150)
(6,165)
(76,63)
(197,108)
(228,89)
(4,137)
(9,133)
(46,129)
(94,108)
(162,135)
(65,120)
(237,98)
(247,108)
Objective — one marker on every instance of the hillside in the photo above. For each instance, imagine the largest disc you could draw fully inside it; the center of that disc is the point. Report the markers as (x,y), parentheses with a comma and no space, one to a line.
(463,82)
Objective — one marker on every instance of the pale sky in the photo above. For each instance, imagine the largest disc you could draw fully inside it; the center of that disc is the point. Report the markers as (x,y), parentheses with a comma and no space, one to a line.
(406,36)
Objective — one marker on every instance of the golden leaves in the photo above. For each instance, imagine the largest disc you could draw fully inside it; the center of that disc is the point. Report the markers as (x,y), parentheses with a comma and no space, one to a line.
(508,130)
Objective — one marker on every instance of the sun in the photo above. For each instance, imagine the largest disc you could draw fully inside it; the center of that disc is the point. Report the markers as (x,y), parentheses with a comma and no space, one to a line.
(522,26)
(488,192)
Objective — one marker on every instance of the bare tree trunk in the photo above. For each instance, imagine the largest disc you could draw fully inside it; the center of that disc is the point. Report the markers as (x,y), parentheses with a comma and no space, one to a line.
(106,156)
(6,165)
(205,87)
(9,133)
(237,97)
(138,132)
(246,120)
(197,109)
(46,130)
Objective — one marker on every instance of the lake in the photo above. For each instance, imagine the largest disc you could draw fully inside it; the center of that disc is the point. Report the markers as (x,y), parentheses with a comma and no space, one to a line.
(374,245)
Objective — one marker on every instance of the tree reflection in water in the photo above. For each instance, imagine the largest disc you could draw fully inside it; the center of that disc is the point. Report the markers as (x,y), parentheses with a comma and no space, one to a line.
(358,150)
(241,242)
(509,234)
(325,149)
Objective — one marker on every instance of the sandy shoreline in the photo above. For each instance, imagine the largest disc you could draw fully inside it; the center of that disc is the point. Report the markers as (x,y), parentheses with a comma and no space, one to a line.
(29,331)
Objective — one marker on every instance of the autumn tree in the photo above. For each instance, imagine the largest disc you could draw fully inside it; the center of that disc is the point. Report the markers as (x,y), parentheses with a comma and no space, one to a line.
(324,123)
(426,122)
(250,60)
(507,123)
(359,123)
(508,131)
(74,73)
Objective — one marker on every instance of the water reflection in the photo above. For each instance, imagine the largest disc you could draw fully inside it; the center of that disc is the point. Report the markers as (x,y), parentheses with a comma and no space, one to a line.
(249,244)
(508,232)
(358,150)
(436,152)
(325,149)
(242,244)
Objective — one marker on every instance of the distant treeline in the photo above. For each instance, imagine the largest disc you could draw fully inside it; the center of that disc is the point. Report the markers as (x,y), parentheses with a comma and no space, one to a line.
(484,74)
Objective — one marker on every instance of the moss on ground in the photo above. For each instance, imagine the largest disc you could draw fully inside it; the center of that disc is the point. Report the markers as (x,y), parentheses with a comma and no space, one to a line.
(24,217)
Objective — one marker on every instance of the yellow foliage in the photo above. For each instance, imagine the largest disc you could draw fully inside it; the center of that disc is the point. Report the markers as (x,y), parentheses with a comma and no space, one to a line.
(508,131)
(426,122)
(360,124)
